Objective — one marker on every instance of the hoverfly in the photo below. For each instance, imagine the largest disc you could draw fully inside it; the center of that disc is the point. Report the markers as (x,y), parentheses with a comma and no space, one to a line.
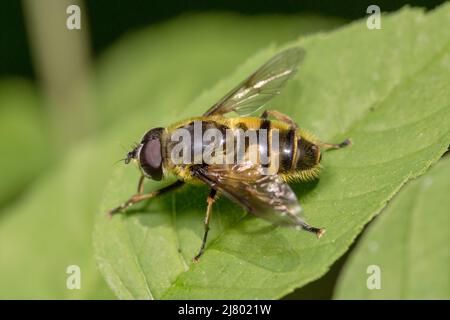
(247,182)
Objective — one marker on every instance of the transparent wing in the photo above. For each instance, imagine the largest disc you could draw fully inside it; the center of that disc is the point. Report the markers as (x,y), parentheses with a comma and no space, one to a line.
(266,196)
(261,86)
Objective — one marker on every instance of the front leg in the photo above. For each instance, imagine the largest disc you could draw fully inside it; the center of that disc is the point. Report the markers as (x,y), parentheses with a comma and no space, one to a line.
(141,197)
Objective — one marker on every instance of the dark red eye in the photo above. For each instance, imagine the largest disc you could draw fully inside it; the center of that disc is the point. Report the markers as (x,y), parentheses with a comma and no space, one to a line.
(150,158)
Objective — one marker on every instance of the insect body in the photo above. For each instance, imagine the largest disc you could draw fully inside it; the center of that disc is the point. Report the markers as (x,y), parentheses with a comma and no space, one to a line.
(253,173)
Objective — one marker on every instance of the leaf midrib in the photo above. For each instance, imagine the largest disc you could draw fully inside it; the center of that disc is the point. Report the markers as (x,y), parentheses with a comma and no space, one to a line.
(137,261)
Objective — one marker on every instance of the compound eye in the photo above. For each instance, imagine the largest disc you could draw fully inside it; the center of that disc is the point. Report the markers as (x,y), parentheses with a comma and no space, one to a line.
(150,159)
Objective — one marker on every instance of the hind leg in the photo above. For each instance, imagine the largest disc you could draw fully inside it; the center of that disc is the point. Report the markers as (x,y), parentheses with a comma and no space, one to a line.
(286,119)
(343,144)
(279,116)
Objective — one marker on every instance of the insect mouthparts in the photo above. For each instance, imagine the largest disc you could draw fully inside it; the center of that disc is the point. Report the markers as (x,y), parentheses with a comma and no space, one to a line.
(130,155)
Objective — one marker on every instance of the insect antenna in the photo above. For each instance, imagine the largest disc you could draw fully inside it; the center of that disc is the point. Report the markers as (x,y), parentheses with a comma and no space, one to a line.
(116,162)
(134,145)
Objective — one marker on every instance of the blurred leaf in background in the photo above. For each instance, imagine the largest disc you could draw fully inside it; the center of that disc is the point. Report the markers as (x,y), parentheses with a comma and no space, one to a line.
(26,152)
(408,242)
(386,89)
(139,80)
(61,60)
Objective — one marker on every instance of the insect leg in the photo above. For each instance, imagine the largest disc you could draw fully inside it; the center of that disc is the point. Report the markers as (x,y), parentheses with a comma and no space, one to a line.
(279,116)
(343,144)
(307,227)
(140,188)
(210,200)
(141,197)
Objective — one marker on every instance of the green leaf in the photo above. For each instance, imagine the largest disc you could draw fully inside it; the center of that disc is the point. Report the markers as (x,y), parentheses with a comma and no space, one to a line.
(408,242)
(386,89)
(51,227)
(48,230)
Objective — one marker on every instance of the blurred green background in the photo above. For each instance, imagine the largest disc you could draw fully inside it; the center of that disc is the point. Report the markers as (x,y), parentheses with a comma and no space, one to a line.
(60,90)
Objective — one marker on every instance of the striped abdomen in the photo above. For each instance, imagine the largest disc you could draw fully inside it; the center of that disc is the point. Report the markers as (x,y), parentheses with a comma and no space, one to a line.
(297,153)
